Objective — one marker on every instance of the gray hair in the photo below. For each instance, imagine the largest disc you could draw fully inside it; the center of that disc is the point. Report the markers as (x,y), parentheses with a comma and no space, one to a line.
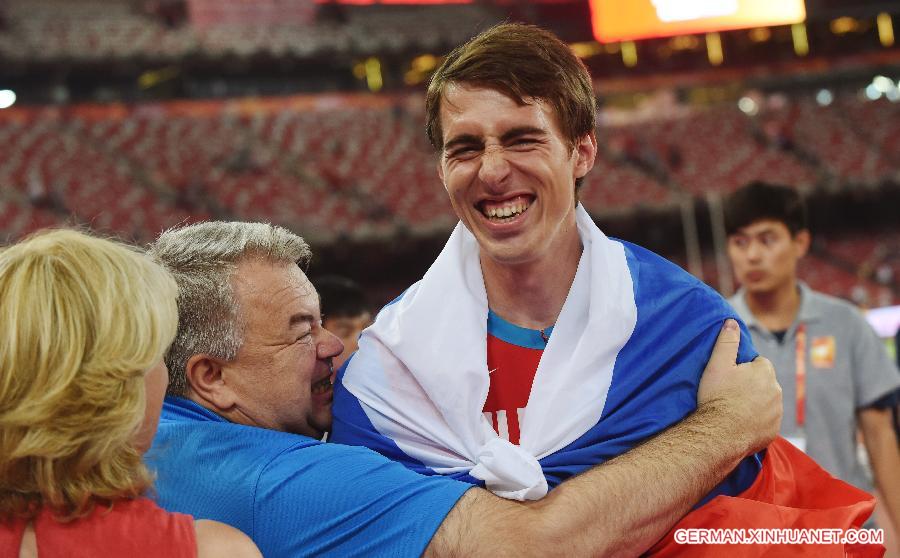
(203,257)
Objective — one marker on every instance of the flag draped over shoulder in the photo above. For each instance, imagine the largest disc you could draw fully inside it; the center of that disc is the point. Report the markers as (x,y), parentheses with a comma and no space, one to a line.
(623,363)
(791,492)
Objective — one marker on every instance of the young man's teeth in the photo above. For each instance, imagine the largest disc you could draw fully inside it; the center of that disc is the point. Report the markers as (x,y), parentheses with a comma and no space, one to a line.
(507,211)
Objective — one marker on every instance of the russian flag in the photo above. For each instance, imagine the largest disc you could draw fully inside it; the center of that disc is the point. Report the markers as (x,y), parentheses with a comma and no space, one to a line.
(790,492)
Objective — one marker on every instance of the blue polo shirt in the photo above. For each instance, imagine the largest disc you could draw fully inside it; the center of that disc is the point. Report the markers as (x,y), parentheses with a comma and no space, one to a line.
(293,495)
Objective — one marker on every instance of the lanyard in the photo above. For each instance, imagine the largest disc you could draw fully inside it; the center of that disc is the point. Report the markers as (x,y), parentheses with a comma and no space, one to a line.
(800,368)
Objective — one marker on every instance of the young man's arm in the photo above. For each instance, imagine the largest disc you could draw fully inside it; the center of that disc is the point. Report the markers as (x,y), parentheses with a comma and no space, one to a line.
(881,444)
(622,507)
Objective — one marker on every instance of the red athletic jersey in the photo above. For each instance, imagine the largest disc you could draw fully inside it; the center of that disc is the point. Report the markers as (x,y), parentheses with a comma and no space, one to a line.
(512,373)
(512,364)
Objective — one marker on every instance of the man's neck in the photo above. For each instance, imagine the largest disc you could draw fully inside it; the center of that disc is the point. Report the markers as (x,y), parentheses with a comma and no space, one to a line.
(532,294)
(231,415)
(775,310)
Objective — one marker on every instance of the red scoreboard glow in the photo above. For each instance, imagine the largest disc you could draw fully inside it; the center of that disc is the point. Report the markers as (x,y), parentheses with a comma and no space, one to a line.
(625,20)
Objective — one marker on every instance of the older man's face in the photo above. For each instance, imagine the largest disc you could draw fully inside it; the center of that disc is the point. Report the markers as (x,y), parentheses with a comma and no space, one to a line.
(283,371)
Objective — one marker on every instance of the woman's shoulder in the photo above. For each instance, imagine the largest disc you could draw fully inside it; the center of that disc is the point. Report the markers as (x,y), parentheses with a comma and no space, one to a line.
(218,539)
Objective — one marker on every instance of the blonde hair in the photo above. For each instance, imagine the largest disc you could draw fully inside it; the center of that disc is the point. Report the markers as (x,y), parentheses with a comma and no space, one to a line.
(81,321)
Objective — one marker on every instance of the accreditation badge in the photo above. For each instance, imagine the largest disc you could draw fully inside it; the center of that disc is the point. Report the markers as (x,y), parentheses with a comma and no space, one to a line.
(821,352)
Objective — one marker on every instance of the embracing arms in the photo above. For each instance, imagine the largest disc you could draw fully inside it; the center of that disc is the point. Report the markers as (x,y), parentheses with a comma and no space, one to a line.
(620,508)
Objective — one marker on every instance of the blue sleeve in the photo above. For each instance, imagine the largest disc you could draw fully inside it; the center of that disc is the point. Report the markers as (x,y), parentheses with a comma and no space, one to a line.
(340,501)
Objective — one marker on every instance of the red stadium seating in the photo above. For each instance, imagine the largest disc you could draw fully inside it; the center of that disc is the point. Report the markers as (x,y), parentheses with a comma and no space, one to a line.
(836,139)
(90,30)
(337,166)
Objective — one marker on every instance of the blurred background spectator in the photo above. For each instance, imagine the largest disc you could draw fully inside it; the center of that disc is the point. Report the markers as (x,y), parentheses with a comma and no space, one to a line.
(345,311)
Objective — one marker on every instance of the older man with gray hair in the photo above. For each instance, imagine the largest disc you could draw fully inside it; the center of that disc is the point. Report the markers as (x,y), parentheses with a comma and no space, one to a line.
(235,357)
(250,395)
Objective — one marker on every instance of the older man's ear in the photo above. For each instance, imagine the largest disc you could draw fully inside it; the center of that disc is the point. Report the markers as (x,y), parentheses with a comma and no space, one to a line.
(207,383)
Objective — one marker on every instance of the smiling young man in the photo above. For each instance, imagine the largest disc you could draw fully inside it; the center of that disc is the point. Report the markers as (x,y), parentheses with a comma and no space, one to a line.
(534,347)
(530,312)
(836,374)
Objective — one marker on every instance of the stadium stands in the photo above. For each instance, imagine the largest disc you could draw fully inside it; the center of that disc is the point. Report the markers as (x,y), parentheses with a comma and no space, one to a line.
(100,30)
(877,122)
(97,30)
(716,149)
(357,166)
(835,140)
(873,259)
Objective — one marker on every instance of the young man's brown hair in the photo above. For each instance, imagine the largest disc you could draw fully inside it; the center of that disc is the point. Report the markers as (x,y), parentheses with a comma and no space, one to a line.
(523,62)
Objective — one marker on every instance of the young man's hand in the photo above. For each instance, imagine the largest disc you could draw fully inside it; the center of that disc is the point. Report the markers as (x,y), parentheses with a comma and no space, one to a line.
(748,394)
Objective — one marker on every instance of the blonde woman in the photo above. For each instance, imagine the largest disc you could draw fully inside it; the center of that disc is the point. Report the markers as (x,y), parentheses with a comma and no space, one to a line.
(84,323)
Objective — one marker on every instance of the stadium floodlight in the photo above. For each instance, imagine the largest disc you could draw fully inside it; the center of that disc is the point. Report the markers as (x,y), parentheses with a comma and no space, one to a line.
(748,106)
(893,95)
(824,97)
(7,98)
(872,92)
(883,84)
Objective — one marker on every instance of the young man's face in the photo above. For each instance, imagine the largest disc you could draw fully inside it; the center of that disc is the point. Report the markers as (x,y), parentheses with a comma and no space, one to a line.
(510,173)
(764,255)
